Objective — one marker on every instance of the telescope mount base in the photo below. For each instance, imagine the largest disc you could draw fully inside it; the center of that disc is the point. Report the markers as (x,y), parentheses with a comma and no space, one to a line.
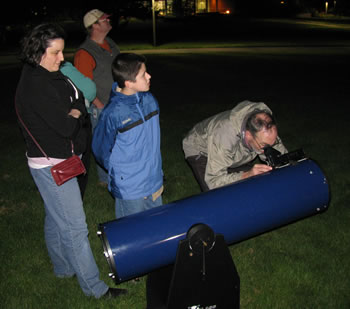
(206,280)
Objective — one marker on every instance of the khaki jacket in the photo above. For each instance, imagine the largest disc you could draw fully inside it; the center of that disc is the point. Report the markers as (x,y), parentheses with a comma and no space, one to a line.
(221,139)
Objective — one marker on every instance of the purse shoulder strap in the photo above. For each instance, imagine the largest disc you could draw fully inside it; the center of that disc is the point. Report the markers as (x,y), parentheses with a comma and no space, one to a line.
(30,134)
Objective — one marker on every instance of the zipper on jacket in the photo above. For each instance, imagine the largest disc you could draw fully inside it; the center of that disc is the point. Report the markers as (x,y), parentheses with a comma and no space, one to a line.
(139,108)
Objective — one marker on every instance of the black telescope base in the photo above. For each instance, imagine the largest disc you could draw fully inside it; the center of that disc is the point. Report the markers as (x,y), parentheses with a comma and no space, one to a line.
(197,280)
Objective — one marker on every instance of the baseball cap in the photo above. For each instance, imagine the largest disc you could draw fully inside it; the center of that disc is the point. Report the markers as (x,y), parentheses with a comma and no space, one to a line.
(93,16)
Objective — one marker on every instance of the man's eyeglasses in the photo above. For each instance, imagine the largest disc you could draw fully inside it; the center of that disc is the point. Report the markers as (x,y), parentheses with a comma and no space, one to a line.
(263,145)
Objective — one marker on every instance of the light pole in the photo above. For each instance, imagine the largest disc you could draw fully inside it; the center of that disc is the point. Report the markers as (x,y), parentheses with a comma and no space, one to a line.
(154,23)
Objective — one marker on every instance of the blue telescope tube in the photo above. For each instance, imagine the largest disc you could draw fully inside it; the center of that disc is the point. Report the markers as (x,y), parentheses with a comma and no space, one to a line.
(138,244)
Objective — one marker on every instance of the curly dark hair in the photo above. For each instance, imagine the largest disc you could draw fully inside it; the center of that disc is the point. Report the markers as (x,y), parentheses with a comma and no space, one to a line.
(35,43)
(255,123)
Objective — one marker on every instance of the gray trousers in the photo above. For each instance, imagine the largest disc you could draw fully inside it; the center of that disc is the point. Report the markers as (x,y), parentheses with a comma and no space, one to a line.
(198,165)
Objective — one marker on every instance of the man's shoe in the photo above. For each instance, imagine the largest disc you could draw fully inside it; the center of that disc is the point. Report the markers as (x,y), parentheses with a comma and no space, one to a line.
(114,292)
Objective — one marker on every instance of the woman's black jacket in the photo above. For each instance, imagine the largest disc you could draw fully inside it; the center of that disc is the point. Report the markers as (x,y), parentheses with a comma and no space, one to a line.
(44,100)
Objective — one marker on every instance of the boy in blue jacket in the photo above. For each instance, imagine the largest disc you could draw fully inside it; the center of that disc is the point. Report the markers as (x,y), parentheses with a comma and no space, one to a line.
(126,140)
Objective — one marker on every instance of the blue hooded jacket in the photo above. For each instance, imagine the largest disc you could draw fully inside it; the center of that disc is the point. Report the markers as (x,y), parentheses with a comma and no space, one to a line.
(126,142)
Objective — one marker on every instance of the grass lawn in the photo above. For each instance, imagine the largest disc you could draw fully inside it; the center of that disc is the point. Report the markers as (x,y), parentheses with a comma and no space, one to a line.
(302,265)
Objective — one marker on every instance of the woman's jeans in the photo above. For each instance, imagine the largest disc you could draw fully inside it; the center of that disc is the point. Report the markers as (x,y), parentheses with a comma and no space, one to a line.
(66,232)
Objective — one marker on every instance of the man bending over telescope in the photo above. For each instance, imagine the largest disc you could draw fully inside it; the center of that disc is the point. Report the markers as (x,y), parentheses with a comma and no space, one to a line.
(222,149)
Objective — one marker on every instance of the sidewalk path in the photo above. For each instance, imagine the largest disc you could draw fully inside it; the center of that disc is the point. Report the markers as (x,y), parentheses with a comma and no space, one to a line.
(251,49)
(7,61)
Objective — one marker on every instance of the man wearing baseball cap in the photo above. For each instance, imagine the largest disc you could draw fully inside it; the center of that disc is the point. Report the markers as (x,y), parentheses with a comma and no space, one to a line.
(94,59)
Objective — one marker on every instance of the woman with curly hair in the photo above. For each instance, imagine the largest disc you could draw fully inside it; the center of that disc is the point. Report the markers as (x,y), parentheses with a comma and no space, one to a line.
(53,110)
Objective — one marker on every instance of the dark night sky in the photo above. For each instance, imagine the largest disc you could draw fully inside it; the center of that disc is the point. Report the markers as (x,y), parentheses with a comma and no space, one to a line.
(76,9)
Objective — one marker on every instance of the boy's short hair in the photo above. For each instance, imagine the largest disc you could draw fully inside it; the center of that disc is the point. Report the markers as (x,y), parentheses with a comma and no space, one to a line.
(126,66)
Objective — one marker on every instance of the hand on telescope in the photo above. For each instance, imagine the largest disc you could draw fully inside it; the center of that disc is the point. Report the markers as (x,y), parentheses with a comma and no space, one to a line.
(256,170)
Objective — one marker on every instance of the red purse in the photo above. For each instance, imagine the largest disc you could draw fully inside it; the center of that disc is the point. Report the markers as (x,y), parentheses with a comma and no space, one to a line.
(67,169)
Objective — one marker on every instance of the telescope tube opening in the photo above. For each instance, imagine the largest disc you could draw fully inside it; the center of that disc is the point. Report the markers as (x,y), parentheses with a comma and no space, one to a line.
(107,252)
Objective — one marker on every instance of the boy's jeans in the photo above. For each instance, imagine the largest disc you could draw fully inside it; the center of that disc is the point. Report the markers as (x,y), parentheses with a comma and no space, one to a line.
(95,114)
(66,232)
(128,207)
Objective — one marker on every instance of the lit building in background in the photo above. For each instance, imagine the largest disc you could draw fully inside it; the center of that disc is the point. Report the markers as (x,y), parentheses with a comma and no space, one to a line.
(192,7)
(214,6)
